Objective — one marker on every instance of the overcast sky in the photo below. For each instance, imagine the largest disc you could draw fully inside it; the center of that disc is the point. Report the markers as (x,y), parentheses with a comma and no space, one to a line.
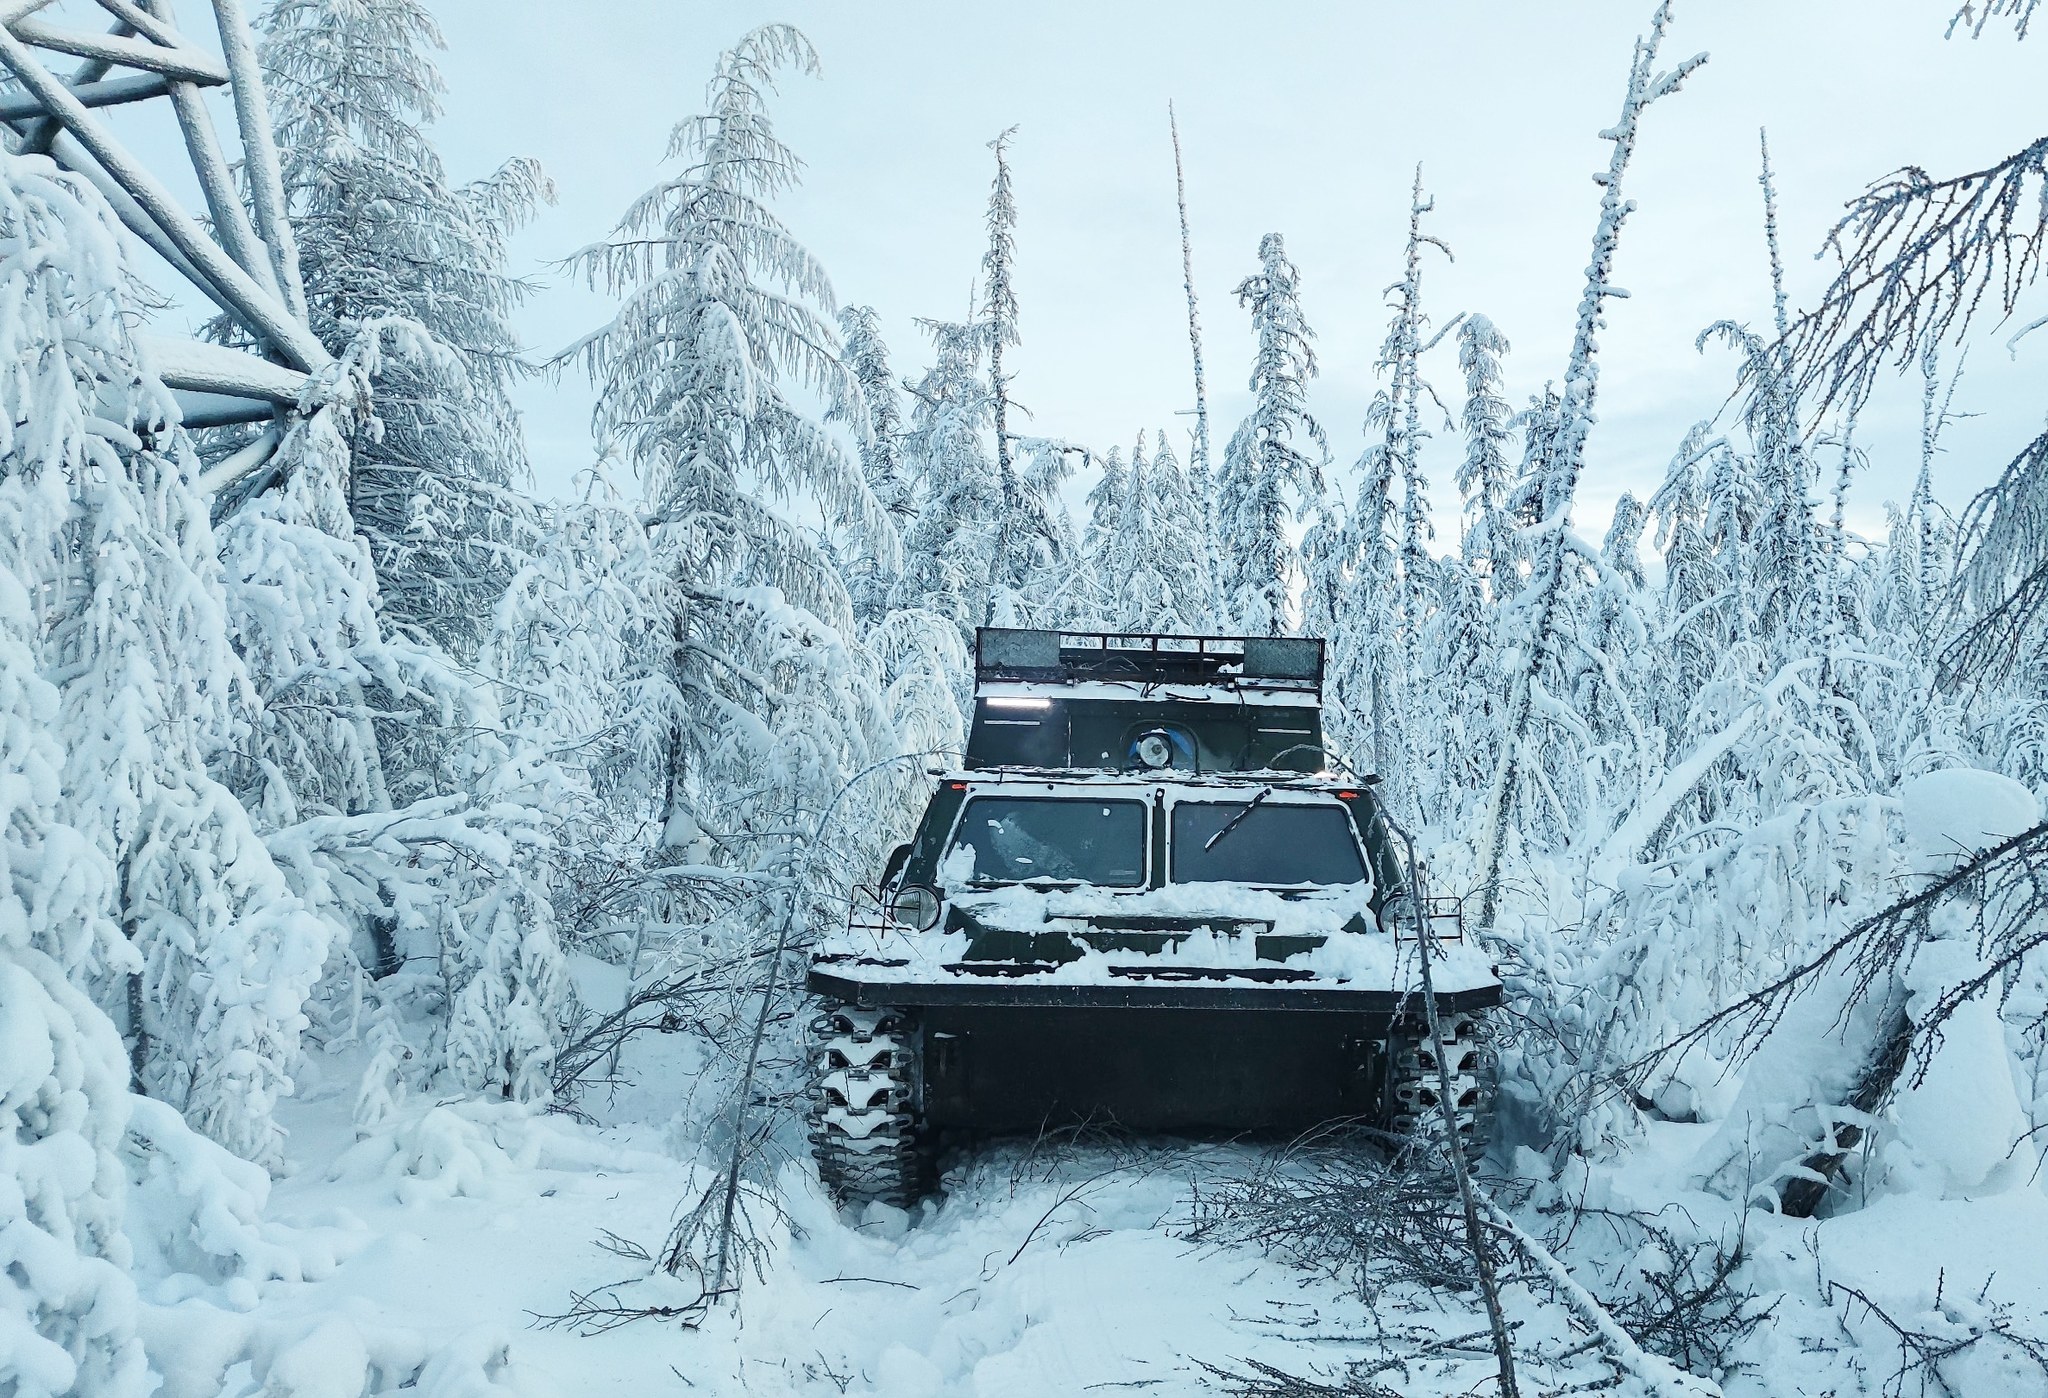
(1307,120)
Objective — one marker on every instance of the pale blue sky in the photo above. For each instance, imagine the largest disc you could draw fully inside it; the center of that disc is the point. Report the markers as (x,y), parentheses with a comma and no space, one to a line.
(1303,119)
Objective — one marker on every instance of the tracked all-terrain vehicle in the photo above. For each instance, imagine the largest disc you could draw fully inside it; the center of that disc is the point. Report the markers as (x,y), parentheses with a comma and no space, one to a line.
(1143,903)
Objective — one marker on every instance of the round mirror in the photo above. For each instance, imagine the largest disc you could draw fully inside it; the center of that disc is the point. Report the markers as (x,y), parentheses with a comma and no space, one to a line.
(915,906)
(1397,915)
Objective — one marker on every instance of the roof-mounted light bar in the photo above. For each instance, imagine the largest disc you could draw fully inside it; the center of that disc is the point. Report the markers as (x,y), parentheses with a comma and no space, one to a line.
(1281,662)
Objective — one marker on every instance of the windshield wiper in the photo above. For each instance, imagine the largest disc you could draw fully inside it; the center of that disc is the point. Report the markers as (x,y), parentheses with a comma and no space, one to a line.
(1231,824)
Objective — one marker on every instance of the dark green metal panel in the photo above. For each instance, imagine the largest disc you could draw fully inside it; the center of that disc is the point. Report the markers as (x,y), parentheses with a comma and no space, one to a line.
(1017,1071)
(932,832)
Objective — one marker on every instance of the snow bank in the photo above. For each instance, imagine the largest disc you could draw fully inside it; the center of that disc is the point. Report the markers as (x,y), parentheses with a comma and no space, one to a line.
(195,1216)
(1958,1121)
(463,1149)
(202,1352)
(1953,814)
(1791,1100)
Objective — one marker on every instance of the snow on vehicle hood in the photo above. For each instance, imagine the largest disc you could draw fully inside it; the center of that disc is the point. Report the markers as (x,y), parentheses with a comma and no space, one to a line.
(1366,959)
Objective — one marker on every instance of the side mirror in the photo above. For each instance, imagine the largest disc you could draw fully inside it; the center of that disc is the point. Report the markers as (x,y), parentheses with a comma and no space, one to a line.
(893,869)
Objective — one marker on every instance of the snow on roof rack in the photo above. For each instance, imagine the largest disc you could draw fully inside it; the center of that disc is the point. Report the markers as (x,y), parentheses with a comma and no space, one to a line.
(1276,662)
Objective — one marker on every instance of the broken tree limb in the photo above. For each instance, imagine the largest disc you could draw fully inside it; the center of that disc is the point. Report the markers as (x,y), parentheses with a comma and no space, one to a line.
(1660,1376)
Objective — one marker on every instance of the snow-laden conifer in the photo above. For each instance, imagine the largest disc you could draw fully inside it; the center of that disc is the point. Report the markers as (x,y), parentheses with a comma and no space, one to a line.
(868,580)
(218,954)
(781,713)
(1106,501)
(386,239)
(1176,542)
(949,548)
(1484,476)
(1400,359)
(721,306)
(67,1305)
(998,321)
(1275,459)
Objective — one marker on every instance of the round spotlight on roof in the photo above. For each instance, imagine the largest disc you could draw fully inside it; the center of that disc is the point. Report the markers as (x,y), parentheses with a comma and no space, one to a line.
(1155,749)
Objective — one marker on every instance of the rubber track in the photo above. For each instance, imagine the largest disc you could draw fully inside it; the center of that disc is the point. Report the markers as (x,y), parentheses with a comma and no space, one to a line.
(1413,1088)
(863,1120)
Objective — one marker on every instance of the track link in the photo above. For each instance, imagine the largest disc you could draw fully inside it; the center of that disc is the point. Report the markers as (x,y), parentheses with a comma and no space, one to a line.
(1413,1089)
(864,1128)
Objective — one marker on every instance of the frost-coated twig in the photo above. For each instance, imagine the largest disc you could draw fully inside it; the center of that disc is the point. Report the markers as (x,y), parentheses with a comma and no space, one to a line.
(1447,1114)
(1918,259)
(2005,571)
(2009,922)
(676,1255)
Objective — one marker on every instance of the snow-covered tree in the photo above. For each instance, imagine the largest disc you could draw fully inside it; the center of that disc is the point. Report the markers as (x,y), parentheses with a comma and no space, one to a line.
(998,321)
(1400,359)
(389,246)
(67,1305)
(1484,475)
(1275,458)
(218,956)
(778,703)
(1380,663)
(1176,542)
(721,306)
(881,453)
(949,548)
(1106,500)
(1563,457)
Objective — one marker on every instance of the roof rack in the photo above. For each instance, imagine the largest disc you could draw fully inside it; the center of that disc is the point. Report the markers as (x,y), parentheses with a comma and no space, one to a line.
(1259,662)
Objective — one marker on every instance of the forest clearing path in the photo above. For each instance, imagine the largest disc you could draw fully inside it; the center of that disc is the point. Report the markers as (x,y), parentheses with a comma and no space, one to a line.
(455,1227)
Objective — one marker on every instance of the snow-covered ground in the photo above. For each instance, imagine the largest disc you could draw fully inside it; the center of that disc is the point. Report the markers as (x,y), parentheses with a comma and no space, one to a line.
(431,1252)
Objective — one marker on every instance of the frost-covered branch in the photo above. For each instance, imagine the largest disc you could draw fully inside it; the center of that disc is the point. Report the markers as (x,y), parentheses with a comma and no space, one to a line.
(1564,453)
(1918,257)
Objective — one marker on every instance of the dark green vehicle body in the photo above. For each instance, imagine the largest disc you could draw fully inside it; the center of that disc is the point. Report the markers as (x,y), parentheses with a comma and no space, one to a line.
(1197,947)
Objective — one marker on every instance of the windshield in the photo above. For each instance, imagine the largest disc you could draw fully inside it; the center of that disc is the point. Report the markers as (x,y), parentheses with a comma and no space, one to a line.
(1014,839)
(1269,844)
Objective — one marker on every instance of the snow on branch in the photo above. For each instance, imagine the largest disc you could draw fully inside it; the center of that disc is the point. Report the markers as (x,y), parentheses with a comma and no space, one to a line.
(2008,924)
(1976,15)
(2005,574)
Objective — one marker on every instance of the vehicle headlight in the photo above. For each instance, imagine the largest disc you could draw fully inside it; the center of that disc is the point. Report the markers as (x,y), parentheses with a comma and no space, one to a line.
(916,906)
(1397,915)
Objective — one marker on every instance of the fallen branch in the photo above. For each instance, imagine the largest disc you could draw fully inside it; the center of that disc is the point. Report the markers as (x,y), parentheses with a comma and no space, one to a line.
(1660,1376)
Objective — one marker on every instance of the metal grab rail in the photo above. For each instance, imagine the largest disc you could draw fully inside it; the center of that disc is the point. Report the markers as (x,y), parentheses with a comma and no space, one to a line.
(867,910)
(1443,915)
